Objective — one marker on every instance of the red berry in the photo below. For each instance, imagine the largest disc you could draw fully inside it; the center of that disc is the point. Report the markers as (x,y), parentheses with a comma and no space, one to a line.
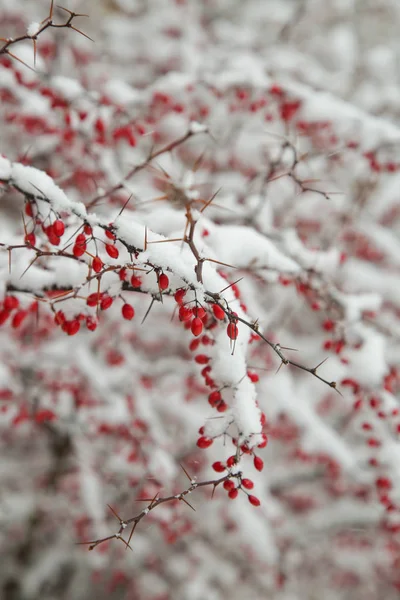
(73,327)
(233,494)
(218,467)
(58,228)
(197,326)
(4,315)
(247,484)
(199,312)
(18,318)
(136,282)
(194,344)
(106,302)
(10,303)
(254,500)
(232,331)
(93,299)
(202,359)
(222,406)
(87,229)
(179,295)
(112,251)
(204,442)
(163,282)
(78,250)
(258,463)
(128,312)
(229,485)
(231,461)
(110,234)
(214,398)
(30,239)
(91,323)
(184,313)
(218,312)
(97,264)
(264,441)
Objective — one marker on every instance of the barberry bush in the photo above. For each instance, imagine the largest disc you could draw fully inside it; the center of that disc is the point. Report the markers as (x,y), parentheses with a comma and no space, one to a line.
(199,299)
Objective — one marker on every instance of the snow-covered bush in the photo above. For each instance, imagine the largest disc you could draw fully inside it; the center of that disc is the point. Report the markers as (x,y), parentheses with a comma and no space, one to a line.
(200,206)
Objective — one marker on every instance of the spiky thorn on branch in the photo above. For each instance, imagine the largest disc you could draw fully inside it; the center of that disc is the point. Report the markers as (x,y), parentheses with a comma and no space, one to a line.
(153,503)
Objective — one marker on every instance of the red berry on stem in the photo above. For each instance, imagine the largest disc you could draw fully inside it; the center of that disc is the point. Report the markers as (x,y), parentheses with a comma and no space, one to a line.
(232,331)
(233,494)
(228,485)
(58,228)
(197,326)
(218,312)
(163,282)
(128,312)
(254,500)
(247,484)
(10,303)
(218,467)
(106,302)
(72,327)
(184,313)
(179,295)
(204,442)
(112,251)
(19,316)
(258,463)
(97,264)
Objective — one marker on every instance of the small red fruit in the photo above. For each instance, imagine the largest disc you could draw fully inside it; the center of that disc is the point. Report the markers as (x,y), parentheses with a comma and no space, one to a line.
(10,303)
(112,251)
(197,326)
(73,327)
(204,442)
(218,312)
(58,228)
(232,331)
(247,484)
(258,463)
(229,485)
(163,282)
(184,313)
(254,500)
(218,467)
(106,302)
(18,318)
(128,312)
(179,295)
(97,264)
(233,494)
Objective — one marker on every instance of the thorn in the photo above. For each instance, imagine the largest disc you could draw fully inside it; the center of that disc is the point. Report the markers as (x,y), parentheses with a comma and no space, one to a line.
(314,370)
(34,52)
(116,515)
(29,266)
(148,311)
(73,14)
(210,200)
(145,238)
(230,285)
(51,10)
(131,534)
(124,206)
(19,60)
(188,503)
(153,501)
(293,350)
(218,262)
(186,473)
(279,368)
(81,32)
